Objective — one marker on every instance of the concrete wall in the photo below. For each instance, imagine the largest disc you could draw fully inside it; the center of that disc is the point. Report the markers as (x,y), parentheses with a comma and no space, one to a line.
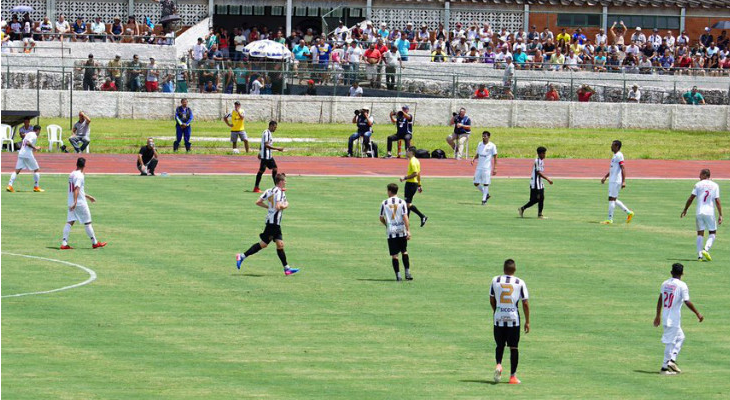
(324,109)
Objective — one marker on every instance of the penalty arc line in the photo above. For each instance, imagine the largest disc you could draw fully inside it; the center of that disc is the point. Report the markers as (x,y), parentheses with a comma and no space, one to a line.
(92,275)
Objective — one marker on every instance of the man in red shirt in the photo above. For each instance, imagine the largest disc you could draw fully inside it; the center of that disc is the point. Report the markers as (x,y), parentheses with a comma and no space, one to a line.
(108,86)
(584,93)
(481,93)
(552,94)
(372,57)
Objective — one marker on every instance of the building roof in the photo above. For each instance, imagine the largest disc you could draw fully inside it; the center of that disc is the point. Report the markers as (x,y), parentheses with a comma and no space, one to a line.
(614,3)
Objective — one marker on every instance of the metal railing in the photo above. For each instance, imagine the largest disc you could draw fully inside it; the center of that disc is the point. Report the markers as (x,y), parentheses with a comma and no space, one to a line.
(410,81)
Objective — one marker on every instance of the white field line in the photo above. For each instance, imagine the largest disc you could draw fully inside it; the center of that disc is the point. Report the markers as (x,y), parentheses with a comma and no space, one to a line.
(92,275)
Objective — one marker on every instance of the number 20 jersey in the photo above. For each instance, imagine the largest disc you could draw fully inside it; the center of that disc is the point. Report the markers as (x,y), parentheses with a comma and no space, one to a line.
(674,293)
(508,291)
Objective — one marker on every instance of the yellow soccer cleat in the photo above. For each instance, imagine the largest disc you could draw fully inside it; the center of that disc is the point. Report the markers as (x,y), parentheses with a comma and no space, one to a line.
(607,222)
(38,189)
(10,189)
(706,254)
(629,217)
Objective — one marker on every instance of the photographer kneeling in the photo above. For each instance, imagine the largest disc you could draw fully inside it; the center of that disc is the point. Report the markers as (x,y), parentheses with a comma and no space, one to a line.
(364,123)
(147,158)
(404,125)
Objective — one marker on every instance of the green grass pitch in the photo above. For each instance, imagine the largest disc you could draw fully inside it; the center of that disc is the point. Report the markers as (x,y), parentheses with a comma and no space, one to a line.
(170,316)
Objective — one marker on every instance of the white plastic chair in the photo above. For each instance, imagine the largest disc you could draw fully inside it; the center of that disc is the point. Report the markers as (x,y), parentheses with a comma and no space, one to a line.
(6,136)
(55,136)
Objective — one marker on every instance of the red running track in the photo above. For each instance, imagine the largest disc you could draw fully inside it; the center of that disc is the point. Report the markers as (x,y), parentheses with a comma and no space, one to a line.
(337,166)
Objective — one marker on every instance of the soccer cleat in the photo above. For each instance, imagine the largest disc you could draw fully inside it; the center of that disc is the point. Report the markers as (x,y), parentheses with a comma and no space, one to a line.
(706,254)
(673,366)
(98,245)
(10,189)
(514,381)
(65,247)
(666,371)
(388,155)
(542,217)
(38,189)
(423,221)
(629,217)
(607,222)
(398,279)
(290,271)
(700,259)
(498,373)
(521,212)
(239,259)
(409,277)
(256,190)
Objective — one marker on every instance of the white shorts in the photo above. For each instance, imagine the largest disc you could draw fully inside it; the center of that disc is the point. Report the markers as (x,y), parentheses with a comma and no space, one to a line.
(706,222)
(28,163)
(483,176)
(81,213)
(672,334)
(613,189)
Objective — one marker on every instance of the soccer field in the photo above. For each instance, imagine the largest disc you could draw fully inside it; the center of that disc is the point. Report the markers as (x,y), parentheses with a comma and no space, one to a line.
(169,316)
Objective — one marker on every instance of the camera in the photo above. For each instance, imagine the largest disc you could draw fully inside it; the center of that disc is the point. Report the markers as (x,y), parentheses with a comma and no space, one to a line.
(400,114)
(454,114)
(357,112)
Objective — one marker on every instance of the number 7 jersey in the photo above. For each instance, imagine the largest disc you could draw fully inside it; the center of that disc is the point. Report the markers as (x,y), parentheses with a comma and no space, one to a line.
(508,291)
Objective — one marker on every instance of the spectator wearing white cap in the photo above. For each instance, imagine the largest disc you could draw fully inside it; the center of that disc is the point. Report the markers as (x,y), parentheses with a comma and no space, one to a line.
(706,38)
(383,32)
(638,37)
(634,95)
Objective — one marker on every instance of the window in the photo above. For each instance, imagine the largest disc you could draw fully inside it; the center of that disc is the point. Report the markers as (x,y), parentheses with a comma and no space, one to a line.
(234,10)
(579,20)
(221,10)
(355,12)
(277,10)
(259,10)
(246,10)
(645,21)
(312,11)
(300,11)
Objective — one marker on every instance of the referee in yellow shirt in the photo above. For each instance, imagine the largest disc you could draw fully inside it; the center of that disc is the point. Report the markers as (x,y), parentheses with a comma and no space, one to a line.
(237,131)
(413,183)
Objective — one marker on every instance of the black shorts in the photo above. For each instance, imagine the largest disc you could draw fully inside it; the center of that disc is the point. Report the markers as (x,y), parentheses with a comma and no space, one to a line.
(507,334)
(271,232)
(537,194)
(397,245)
(270,164)
(410,191)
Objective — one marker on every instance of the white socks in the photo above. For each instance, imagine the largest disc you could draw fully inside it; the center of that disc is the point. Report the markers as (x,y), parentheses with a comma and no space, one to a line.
(710,241)
(622,206)
(12,179)
(668,348)
(611,207)
(66,232)
(699,245)
(90,232)
(36,178)
(485,191)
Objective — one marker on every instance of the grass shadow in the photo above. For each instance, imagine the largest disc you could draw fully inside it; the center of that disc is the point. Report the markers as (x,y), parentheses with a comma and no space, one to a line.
(252,275)
(376,280)
(482,381)
(682,259)
(641,371)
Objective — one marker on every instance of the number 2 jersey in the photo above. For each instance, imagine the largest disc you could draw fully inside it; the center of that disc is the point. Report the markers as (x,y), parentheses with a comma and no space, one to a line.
(706,191)
(508,291)
(273,197)
(674,293)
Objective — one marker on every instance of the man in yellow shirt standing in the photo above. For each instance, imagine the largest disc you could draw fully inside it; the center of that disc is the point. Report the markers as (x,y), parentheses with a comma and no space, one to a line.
(237,131)
(413,183)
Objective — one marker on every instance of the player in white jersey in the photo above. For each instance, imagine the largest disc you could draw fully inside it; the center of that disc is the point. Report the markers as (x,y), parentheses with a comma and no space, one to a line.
(504,296)
(266,156)
(537,188)
(616,181)
(78,208)
(707,193)
(672,295)
(27,160)
(394,215)
(274,201)
(486,165)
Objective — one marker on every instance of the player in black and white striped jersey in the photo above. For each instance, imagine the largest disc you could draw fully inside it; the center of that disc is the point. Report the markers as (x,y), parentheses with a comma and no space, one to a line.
(504,296)
(266,156)
(537,188)
(274,200)
(394,215)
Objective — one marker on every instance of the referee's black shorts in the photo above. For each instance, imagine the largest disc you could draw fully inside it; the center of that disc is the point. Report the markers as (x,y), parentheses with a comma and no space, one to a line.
(271,232)
(397,245)
(410,191)
(270,164)
(509,335)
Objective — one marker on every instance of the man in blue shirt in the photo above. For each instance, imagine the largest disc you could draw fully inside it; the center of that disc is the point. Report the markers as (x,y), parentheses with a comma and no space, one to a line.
(79,28)
(301,56)
(693,97)
(183,119)
(462,129)
(324,50)
(403,46)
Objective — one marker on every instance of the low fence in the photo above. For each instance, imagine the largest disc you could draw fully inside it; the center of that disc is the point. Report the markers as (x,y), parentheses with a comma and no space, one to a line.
(329,109)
